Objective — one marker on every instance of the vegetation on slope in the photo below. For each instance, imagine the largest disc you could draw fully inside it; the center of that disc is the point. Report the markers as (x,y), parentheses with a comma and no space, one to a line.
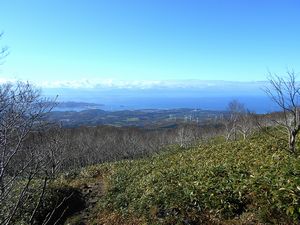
(253,181)
(240,182)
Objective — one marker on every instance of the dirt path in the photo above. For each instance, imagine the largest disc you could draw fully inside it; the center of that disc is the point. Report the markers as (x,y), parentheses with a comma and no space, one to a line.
(91,194)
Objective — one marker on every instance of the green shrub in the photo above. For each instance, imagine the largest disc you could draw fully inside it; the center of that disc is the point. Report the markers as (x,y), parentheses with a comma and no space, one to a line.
(219,181)
(61,200)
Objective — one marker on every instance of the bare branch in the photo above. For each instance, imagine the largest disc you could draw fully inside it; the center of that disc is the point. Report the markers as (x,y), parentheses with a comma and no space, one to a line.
(285,93)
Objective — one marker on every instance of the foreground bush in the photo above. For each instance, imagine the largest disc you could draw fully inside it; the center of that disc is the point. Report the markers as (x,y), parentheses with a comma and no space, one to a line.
(57,203)
(246,180)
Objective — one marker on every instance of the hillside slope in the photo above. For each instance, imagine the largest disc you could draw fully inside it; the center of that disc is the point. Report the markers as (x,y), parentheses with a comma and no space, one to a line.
(241,182)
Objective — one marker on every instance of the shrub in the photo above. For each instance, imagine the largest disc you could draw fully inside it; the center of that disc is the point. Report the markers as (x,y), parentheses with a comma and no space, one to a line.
(215,182)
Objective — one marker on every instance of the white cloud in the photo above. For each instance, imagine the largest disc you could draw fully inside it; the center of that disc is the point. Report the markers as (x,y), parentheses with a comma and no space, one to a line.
(139,84)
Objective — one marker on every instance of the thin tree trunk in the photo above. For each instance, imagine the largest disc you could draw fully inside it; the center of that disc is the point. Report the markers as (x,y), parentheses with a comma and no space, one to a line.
(292,141)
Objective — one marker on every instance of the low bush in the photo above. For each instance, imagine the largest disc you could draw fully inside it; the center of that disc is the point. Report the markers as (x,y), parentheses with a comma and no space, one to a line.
(57,203)
(210,183)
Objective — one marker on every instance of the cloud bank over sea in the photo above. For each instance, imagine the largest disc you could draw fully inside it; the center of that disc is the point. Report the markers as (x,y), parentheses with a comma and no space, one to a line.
(145,84)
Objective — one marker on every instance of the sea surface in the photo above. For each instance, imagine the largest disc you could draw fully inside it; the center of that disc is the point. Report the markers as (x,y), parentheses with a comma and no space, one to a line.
(135,100)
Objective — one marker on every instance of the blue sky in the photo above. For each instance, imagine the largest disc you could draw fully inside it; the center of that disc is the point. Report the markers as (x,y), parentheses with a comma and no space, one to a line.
(236,40)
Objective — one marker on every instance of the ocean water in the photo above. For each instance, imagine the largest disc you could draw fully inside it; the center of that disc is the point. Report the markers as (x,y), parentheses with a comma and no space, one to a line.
(209,98)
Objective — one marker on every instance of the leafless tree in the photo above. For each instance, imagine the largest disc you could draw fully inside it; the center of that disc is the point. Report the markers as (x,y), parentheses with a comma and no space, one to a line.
(21,162)
(285,93)
(230,120)
(246,123)
(238,122)
(183,135)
